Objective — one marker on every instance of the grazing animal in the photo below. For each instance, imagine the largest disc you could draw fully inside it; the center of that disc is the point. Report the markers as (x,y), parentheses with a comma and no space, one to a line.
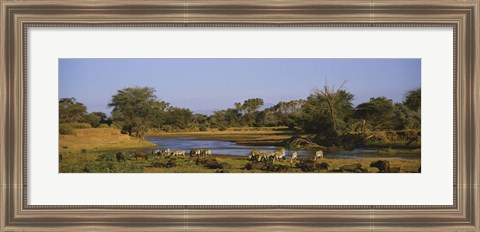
(253,155)
(318,154)
(255,165)
(266,156)
(195,152)
(279,154)
(205,152)
(158,165)
(120,156)
(178,153)
(141,154)
(156,152)
(294,156)
(163,152)
(322,165)
(356,167)
(382,165)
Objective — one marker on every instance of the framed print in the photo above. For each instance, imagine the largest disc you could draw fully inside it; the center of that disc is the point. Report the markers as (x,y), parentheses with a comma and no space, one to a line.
(239,116)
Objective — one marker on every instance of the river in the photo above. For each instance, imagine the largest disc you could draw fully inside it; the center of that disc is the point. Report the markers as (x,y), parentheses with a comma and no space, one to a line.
(232,148)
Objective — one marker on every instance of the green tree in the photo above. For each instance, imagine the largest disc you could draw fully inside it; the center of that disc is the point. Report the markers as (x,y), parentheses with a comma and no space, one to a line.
(377,112)
(249,109)
(132,109)
(327,110)
(71,111)
(405,118)
(413,99)
(96,118)
(178,117)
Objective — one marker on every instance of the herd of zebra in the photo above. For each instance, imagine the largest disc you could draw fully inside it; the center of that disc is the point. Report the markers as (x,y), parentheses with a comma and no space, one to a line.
(255,155)
(259,156)
(194,152)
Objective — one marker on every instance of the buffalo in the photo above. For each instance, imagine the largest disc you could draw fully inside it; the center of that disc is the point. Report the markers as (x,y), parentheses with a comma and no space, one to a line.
(120,156)
(141,154)
(382,165)
(356,167)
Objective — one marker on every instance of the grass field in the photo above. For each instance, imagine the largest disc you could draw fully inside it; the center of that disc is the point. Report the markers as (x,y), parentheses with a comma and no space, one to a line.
(105,162)
(93,151)
(99,139)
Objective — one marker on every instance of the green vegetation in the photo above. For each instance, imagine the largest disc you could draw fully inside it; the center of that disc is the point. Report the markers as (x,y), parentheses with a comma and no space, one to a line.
(105,162)
(99,139)
(327,117)
(326,120)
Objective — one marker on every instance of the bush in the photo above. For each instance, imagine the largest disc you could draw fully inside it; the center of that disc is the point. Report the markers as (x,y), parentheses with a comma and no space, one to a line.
(79,125)
(104,125)
(202,128)
(106,157)
(66,129)
(222,128)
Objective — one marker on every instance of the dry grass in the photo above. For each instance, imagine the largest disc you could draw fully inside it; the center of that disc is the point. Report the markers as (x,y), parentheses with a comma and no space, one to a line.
(100,139)
(101,162)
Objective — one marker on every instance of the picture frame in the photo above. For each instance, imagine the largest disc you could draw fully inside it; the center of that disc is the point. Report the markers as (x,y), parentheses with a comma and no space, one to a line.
(17,16)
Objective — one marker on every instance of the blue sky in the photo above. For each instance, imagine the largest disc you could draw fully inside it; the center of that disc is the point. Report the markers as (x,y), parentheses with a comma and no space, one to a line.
(206,85)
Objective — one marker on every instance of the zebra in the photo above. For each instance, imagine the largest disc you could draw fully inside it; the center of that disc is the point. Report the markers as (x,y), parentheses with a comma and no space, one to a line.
(318,154)
(156,152)
(279,154)
(294,156)
(265,156)
(195,152)
(205,152)
(165,152)
(253,155)
(178,153)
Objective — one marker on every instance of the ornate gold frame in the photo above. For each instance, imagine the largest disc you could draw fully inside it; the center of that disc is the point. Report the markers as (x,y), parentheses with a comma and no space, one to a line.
(17,16)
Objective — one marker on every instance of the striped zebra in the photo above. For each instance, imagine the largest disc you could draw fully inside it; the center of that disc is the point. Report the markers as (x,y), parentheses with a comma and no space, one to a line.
(279,154)
(294,156)
(318,155)
(178,153)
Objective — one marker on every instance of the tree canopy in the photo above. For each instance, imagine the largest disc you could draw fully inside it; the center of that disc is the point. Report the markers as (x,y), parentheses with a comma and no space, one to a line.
(132,109)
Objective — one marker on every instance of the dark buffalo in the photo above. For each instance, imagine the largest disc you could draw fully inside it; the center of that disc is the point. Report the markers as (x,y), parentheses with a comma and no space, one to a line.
(158,165)
(356,167)
(120,156)
(255,165)
(141,154)
(382,165)
(322,166)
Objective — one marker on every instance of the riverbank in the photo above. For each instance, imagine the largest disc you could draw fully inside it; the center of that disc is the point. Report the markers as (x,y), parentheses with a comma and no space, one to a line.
(263,136)
(98,140)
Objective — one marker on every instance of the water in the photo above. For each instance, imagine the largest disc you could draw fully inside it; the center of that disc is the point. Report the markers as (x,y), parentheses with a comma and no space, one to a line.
(232,148)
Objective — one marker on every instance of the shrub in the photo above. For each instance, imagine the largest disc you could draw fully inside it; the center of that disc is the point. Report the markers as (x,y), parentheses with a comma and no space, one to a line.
(202,128)
(103,125)
(222,128)
(83,151)
(105,157)
(66,129)
(80,125)
(88,168)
